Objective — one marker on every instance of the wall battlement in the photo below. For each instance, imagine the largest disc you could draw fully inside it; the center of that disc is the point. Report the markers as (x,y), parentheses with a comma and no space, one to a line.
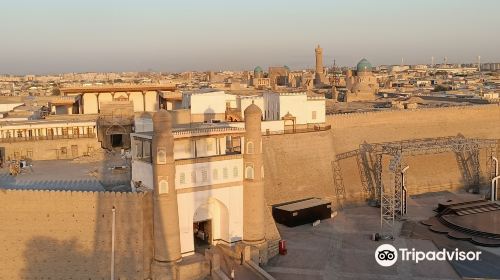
(339,118)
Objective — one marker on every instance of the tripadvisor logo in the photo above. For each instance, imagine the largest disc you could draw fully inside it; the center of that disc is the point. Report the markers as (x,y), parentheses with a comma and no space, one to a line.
(387,255)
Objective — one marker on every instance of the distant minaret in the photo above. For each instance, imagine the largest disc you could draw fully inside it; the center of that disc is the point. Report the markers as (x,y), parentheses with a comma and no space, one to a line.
(319,65)
(432,61)
(479,63)
(166,233)
(253,185)
(319,59)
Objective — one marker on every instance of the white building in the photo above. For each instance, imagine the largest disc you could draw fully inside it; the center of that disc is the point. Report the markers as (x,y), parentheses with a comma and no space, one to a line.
(205,105)
(305,109)
(209,172)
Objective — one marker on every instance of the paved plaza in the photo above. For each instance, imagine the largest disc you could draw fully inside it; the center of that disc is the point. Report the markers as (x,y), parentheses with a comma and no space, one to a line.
(341,248)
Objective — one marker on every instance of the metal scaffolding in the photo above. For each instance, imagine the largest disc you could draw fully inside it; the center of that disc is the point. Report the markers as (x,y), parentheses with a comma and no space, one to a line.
(392,198)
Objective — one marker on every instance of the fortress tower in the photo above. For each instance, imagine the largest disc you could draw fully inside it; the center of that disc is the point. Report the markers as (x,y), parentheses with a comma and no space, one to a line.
(166,233)
(253,184)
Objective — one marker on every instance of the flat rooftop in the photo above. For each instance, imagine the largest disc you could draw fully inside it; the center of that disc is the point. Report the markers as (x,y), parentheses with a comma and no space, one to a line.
(308,203)
(82,174)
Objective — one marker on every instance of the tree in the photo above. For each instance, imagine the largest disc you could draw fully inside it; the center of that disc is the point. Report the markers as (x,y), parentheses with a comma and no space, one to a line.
(56,91)
(441,88)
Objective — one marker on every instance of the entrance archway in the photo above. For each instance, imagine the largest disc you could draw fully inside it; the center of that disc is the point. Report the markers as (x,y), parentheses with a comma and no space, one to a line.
(210,224)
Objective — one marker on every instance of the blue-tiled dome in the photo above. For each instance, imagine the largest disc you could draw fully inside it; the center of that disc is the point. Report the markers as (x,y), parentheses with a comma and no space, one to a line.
(364,65)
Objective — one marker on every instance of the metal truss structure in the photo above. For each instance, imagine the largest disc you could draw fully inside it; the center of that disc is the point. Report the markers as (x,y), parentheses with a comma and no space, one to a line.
(392,198)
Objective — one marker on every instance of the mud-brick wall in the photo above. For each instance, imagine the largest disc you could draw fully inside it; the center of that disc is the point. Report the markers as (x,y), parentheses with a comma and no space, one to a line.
(50,149)
(298,166)
(427,173)
(67,235)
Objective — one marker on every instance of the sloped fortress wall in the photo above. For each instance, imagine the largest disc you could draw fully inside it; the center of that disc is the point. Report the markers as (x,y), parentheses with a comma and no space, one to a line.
(436,172)
(299,165)
(67,235)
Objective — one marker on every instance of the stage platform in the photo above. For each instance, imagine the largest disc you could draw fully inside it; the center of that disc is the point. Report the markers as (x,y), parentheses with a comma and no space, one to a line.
(477,221)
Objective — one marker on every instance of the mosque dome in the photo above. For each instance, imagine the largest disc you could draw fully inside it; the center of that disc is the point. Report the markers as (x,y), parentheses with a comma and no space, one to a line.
(364,66)
(287,68)
(257,69)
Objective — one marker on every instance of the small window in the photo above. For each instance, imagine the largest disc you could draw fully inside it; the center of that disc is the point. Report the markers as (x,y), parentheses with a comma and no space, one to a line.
(182,178)
(225,173)
(313,115)
(146,149)
(235,171)
(193,176)
(163,186)
(204,175)
(64,150)
(249,172)
(250,149)
(210,145)
(215,174)
(138,149)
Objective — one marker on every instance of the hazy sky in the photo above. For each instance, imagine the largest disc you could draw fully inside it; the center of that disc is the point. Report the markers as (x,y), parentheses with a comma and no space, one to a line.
(163,35)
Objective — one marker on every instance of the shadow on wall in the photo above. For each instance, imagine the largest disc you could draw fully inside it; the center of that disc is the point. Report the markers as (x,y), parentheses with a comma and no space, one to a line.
(47,258)
(74,241)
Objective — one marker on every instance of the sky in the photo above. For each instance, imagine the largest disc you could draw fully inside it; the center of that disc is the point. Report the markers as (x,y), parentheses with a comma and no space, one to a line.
(55,36)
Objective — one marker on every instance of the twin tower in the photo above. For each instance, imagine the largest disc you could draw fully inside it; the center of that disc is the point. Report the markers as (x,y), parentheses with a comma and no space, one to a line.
(166,233)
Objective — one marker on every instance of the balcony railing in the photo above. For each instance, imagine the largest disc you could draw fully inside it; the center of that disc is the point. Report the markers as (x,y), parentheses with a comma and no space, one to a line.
(49,137)
(298,130)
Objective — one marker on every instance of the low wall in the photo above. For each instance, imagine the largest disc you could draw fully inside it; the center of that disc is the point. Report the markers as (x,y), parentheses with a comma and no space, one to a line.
(67,235)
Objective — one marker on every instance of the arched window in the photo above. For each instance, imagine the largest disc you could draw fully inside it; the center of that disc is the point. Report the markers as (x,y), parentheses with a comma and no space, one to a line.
(215,174)
(250,149)
(235,171)
(225,173)
(163,184)
(249,172)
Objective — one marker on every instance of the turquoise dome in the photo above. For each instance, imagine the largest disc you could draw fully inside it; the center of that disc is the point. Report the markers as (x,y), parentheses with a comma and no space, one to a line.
(257,69)
(287,68)
(364,65)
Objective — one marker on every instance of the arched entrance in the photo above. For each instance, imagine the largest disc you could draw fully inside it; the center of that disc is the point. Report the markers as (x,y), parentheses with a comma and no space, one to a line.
(210,225)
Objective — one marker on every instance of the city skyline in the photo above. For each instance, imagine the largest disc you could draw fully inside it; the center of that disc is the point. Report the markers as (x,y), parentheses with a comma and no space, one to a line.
(90,36)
